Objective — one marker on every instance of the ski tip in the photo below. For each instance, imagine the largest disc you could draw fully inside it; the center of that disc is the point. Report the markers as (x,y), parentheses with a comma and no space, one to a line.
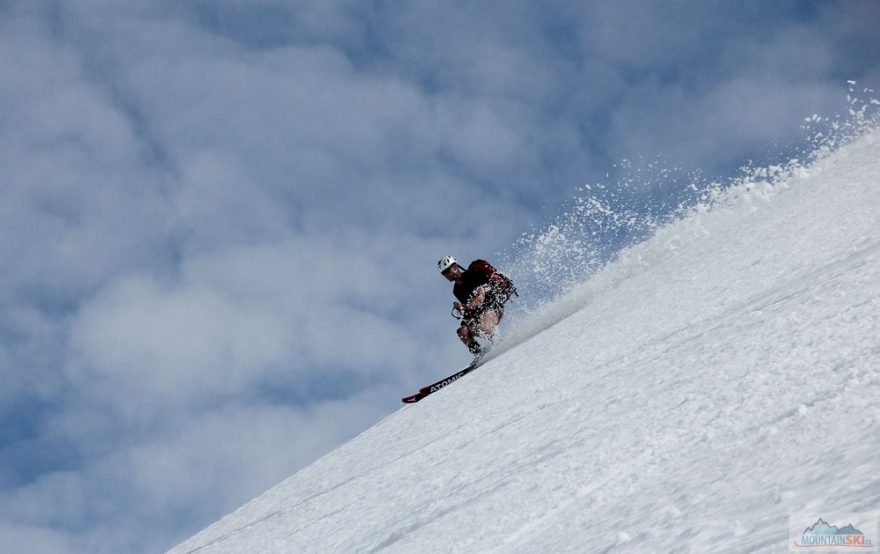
(411,399)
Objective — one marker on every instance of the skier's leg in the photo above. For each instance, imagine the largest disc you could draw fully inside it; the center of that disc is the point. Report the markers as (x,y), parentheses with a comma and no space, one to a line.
(467,337)
(488,321)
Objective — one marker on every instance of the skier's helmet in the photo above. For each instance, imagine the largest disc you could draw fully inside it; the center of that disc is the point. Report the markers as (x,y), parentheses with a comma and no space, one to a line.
(445,263)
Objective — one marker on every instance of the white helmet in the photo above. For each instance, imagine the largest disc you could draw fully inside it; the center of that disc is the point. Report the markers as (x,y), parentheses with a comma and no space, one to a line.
(445,263)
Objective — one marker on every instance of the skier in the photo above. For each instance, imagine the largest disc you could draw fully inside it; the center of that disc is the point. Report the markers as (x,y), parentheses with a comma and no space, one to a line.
(481,293)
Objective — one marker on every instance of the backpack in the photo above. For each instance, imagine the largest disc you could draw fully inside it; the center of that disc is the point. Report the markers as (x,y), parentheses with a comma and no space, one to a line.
(500,284)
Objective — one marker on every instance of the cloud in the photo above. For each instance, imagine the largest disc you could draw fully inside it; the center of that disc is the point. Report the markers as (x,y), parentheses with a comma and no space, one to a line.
(698,129)
(233,319)
(19,538)
(173,475)
(65,152)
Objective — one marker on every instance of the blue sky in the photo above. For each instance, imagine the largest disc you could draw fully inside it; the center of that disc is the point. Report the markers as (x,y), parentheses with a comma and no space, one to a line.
(220,220)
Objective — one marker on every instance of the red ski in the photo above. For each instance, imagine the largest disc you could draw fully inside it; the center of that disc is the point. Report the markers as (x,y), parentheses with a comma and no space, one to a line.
(434,387)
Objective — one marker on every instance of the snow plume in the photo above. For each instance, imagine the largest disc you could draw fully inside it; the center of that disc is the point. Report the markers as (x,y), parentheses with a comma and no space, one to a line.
(560,267)
(827,134)
(601,221)
(605,219)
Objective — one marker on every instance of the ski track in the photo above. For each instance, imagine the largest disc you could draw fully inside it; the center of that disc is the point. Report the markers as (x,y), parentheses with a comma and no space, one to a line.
(687,398)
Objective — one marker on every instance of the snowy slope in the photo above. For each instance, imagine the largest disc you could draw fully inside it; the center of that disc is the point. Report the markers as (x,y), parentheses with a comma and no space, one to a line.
(714,379)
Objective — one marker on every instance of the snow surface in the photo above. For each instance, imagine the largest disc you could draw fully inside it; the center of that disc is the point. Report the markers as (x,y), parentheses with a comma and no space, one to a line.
(691,395)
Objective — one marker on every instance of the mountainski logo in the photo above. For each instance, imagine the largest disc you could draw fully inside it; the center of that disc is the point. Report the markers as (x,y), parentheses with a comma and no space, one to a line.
(810,532)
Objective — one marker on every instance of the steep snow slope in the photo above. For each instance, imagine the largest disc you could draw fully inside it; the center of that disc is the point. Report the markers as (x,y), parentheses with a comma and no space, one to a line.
(713,380)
